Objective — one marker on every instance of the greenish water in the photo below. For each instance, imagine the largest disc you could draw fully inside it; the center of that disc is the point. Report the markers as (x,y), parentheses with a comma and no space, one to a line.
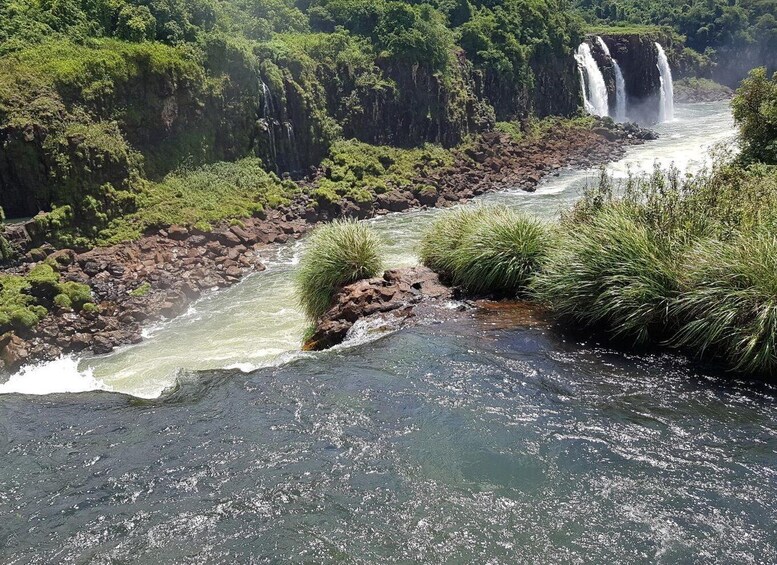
(458,443)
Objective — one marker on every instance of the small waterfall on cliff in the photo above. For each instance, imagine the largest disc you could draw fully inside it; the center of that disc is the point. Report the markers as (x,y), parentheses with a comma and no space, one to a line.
(267,119)
(666,108)
(594,88)
(620,83)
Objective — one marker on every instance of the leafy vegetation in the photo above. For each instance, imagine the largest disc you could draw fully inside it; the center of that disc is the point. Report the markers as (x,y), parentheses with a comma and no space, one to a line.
(339,253)
(486,249)
(755,110)
(360,171)
(26,299)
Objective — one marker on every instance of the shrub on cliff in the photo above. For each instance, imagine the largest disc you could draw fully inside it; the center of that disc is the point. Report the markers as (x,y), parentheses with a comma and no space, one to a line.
(611,273)
(338,254)
(730,307)
(486,249)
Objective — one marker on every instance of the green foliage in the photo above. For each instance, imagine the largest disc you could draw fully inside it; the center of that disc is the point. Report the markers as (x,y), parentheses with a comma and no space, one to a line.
(18,308)
(78,293)
(611,273)
(755,112)
(730,307)
(141,290)
(90,308)
(203,196)
(687,262)
(63,301)
(360,171)
(486,249)
(339,253)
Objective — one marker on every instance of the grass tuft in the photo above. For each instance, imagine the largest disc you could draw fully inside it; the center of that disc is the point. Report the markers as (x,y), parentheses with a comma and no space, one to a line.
(339,253)
(486,249)
(614,274)
(730,307)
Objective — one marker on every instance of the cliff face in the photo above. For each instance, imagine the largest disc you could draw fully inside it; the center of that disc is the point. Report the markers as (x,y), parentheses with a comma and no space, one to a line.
(638,59)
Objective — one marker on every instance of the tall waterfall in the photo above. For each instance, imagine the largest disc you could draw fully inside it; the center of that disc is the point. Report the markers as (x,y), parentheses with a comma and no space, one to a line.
(620,83)
(666,108)
(268,117)
(594,88)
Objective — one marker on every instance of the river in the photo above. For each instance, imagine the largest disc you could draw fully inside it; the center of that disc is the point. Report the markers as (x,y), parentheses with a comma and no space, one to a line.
(216,440)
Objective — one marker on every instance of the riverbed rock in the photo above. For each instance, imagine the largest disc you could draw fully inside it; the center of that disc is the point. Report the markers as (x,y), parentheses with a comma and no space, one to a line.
(392,296)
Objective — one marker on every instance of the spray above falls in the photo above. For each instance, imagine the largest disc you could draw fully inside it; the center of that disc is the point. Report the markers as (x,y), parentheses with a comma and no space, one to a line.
(626,78)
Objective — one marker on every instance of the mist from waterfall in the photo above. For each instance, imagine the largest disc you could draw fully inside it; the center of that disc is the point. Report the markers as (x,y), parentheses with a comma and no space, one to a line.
(666,102)
(594,87)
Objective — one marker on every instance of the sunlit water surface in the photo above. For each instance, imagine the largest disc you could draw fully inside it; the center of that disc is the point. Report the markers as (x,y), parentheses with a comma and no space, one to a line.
(465,442)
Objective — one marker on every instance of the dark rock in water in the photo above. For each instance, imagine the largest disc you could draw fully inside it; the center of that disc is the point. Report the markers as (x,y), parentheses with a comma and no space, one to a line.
(392,298)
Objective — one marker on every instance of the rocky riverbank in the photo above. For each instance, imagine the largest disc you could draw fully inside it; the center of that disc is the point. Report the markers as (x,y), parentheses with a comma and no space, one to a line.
(158,275)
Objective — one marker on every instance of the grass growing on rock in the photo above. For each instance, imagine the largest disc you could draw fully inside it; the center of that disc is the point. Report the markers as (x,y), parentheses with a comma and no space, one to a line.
(339,253)
(202,197)
(360,171)
(26,299)
(486,249)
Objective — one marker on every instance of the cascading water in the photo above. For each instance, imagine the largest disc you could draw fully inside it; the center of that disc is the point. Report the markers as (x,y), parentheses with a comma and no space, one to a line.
(666,107)
(620,84)
(268,117)
(594,88)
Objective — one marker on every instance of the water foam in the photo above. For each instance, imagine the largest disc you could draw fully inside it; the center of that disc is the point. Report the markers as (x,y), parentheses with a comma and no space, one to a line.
(60,375)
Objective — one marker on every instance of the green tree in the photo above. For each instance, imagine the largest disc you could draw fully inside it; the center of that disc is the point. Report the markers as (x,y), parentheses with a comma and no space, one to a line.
(755,112)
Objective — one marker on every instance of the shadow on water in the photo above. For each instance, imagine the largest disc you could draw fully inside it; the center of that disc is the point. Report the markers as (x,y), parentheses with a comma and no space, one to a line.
(458,442)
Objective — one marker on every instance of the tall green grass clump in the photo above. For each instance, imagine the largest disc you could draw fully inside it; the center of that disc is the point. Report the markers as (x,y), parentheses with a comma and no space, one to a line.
(486,249)
(611,273)
(730,307)
(339,253)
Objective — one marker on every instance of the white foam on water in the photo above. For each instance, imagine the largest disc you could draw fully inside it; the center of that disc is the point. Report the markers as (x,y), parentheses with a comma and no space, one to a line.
(58,376)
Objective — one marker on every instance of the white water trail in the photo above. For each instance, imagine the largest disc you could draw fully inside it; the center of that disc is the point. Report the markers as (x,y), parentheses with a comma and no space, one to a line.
(594,88)
(620,83)
(666,103)
(61,375)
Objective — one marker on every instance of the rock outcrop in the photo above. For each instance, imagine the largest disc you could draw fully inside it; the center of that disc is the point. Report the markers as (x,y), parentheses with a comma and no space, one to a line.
(389,301)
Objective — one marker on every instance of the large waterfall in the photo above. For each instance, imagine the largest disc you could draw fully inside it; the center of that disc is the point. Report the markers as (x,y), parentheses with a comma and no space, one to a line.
(620,83)
(666,107)
(594,88)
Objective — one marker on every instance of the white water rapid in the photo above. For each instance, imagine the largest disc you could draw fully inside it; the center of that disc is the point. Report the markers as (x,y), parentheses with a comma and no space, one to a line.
(666,108)
(594,88)
(257,323)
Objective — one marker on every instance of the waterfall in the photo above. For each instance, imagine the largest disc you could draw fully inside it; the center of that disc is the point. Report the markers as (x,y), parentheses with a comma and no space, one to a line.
(666,107)
(267,117)
(620,83)
(594,88)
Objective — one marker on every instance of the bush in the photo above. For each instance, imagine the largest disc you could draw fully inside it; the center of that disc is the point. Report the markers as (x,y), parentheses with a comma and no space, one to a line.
(612,273)
(441,241)
(63,301)
(486,249)
(755,112)
(78,293)
(339,253)
(730,307)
